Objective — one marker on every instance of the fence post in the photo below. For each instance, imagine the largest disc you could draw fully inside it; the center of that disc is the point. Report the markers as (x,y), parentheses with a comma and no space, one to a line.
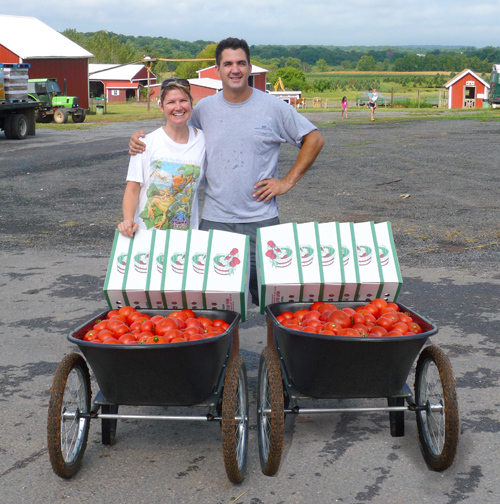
(439,99)
(418,97)
(392,97)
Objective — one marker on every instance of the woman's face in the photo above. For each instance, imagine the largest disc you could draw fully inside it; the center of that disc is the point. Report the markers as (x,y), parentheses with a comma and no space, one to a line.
(176,107)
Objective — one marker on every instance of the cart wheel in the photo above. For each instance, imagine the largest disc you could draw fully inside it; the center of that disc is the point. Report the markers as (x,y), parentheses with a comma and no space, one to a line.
(235,419)
(397,418)
(435,386)
(67,437)
(270,412)
(108,427)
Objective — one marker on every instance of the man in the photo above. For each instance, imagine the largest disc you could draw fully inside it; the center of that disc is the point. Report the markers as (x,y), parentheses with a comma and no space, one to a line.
(244,129)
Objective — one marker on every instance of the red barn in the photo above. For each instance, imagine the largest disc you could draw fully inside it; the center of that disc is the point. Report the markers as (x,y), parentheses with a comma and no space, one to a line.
(50,54)
(466,90)
(208,82)
(118,83)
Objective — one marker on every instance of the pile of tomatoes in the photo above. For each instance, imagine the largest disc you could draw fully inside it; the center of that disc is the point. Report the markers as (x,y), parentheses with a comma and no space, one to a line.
(376,319)
(127,326)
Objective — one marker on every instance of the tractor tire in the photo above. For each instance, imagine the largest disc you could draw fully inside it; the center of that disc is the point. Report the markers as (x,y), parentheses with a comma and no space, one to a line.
(78,117)
(61,116)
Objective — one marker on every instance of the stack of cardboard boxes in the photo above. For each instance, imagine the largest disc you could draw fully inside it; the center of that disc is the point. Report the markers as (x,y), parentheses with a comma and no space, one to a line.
(327,262)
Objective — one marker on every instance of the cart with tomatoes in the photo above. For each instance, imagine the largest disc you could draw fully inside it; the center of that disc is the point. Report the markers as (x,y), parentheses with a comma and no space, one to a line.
(298,366)
(203,373)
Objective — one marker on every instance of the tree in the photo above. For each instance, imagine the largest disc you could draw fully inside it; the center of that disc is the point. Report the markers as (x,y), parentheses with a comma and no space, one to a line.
(293,62)
(366,63)
(322,65)
(292,78)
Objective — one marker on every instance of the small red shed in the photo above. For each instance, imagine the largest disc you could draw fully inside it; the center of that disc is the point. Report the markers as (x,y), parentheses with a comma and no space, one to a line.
(50,54)
(466,90)
(208,82)
(118,83)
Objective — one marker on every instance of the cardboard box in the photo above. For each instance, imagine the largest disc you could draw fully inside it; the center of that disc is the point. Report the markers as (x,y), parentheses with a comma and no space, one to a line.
(279,269)
(370,271)
(194,269)
(332,259)
(311,260)
(174,267)
(391,273)
(227,272)
(126,279)
(157,261)
(358,262)
(351,269)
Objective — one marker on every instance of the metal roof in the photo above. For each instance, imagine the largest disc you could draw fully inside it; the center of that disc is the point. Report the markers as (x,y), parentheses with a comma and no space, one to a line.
(255,69)
(29,38)
(207,83)
(113,71)
(462,74)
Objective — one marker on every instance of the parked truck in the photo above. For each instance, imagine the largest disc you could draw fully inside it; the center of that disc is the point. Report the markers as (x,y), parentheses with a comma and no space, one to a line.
(54,105)
(494,92)
(17,114)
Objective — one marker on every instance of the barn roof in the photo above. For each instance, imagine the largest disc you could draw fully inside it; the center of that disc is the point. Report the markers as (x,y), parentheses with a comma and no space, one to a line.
(29,38)
(207,83)
(462,74)
(113,71)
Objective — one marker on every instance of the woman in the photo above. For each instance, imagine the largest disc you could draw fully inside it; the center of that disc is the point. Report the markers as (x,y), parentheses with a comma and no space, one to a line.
(162,181)
(373,96)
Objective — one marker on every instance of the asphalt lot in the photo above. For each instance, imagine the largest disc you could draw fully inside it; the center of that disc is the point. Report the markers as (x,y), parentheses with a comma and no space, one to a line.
(435,180)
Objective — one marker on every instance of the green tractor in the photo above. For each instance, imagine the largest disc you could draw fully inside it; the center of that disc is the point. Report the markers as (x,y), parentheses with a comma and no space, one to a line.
(54,106)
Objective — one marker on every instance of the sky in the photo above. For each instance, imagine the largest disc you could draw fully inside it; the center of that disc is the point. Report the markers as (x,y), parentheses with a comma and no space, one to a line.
(281,22)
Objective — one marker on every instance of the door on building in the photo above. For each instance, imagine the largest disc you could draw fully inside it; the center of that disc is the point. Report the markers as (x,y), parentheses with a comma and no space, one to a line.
(469,96)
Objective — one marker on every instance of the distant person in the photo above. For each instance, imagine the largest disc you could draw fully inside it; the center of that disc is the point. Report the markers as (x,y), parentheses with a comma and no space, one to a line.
(244,129)
(373,97)
(344,108)
(162,181)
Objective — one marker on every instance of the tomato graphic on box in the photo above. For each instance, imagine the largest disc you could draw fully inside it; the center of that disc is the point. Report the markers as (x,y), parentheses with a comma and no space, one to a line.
(364,254)
(306,255)
(198,260)
(345,255)
(159,262)
(225,264)
(177,262)
(327,255)
(141,260)
(121,261)
(383,253)
(280,257)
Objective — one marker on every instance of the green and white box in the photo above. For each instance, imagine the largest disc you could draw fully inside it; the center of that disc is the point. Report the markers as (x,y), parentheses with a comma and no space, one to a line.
(310,258)
(351,269)
(157,261)
(279,269)
(227,272)
(174,267)
(194,269)
(370,270)
(391,273)
(126,278)
(332,259)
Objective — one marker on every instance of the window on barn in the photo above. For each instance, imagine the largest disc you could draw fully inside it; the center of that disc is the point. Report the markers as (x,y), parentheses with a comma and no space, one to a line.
(115,92)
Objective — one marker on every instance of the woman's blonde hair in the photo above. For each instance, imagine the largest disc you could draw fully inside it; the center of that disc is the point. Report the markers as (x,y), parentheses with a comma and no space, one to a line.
(175,85)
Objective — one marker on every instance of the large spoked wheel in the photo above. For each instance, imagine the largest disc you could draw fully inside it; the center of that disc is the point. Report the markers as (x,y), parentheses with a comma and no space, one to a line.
(67,432)
(270,412)
(438,424)
(235,419)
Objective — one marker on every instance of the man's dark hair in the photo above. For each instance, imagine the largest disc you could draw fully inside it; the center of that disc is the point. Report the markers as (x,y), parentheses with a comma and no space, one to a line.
(231,43)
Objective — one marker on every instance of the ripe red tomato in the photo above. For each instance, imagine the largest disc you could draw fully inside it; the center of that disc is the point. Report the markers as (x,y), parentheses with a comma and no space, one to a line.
(349,311)
(313,314)
(126,310)
(316,305)
(327,307)
(111,341)
(156,340)
(401,327)
(111,313)
(379,303)
(166,325)
(288,315)
(121,330)
(385,322)
(403,317)
(310,329)
(189,313)
(126,339)
(332,326)
(358,318)
(157,318)
(372,309)
(378,331)
(102,324)
(105,333)
(300,314)
(348,331)
(340,317)
(179,314)
(90,335)
(414,328)
(173,334)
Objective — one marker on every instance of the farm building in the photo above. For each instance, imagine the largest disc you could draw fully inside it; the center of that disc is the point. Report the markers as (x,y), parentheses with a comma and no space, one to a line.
(466,90)
(118,83)
(208,82)
(50,54)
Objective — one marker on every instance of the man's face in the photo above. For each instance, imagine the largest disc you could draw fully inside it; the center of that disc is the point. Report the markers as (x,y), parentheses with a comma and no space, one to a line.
(234,69)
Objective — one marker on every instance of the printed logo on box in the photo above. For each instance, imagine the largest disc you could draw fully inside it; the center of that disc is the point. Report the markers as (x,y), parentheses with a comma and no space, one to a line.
(226,264)
(364,255)
(327,255)
(141,261)
(177,262)
(198,260)
(121,262)
(345,255)
(280,257)
(384,255)
(306,255)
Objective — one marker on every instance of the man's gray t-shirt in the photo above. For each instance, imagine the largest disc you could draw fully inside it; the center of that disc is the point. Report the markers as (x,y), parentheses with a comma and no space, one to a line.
(243,142)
